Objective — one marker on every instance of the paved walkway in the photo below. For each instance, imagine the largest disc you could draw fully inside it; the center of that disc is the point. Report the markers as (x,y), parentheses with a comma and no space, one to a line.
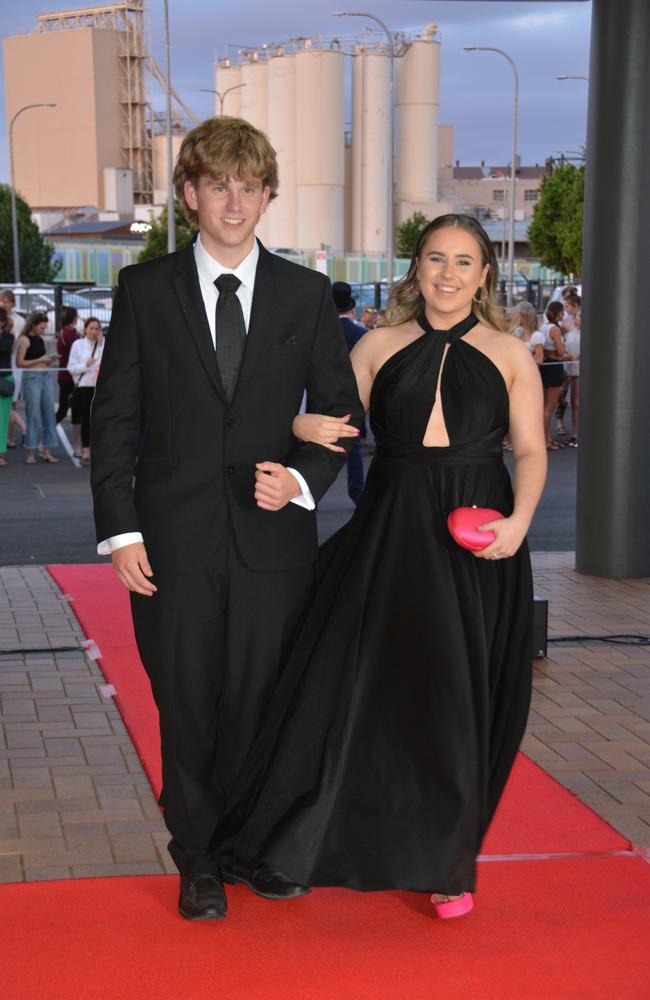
(75,802)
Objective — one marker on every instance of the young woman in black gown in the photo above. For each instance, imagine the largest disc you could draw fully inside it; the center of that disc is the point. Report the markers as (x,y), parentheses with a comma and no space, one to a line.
(400,710)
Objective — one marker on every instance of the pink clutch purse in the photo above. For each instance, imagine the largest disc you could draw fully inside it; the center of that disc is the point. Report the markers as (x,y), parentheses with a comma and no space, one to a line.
(463,523)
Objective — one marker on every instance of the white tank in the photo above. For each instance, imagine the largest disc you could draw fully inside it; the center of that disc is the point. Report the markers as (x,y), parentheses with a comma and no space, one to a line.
(418,98)
(225,77)
(281,130)
(253,93)
(253,108)
(370,149)
(320,151)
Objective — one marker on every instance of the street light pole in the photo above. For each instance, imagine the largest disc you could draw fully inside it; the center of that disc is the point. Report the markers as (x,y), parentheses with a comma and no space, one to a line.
(513,165)
(390,207)
(14,214)
(222,97)
(171,215)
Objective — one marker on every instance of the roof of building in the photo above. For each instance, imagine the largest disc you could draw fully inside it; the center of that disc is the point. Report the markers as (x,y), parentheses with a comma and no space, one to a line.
(121,227)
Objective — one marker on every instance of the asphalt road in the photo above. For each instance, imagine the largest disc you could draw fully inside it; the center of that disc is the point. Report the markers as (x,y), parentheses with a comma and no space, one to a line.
(47,510)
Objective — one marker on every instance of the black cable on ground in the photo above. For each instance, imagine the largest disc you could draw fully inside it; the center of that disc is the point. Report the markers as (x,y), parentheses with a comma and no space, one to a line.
(621,640)
(45,649)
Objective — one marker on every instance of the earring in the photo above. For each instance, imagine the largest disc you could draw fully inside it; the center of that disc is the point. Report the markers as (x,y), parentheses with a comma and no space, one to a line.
(484,295)
(415,288)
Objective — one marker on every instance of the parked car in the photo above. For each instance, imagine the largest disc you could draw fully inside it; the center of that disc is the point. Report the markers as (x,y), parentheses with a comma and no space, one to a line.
(92,301)
(519,287)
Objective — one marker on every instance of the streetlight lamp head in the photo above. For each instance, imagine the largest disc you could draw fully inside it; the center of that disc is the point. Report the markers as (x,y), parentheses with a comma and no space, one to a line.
(563,76)
(470,48)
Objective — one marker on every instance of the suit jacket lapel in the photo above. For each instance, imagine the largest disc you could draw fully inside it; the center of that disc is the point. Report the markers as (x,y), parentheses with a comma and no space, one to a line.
(185,281)
(260,327)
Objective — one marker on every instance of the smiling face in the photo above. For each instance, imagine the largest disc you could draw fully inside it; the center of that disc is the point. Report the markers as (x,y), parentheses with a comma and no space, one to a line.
(228,212)
(449,272)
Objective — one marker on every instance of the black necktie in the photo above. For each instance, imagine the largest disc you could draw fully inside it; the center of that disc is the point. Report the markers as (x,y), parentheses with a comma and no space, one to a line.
(230,332)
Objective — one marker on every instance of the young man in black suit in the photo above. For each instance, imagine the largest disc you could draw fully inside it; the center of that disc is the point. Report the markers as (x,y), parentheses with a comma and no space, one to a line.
(203,497)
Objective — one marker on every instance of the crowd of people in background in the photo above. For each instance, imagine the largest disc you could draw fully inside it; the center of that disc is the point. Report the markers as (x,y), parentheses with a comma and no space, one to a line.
(552,339)
(26,376)
(555,346)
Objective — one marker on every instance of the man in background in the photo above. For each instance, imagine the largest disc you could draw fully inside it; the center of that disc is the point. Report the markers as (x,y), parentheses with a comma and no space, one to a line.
(353,332)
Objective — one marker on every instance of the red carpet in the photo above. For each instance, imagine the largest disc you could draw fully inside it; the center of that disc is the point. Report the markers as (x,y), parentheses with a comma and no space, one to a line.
(559,930)
(553,929)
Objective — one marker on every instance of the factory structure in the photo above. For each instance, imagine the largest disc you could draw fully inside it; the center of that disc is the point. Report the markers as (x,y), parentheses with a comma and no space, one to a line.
(102,147)
(333,181)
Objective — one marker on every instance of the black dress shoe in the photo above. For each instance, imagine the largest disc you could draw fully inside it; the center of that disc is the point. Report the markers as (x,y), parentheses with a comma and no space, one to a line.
(264,881)
(202,897)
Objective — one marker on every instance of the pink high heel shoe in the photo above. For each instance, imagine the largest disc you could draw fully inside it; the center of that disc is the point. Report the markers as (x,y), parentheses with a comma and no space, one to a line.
(454,907)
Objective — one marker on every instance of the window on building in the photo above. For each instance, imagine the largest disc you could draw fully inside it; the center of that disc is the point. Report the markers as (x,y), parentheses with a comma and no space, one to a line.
(531,194)
(498,194)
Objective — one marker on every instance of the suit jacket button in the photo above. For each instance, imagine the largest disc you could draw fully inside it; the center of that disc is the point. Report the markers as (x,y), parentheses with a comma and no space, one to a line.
(230,470)
(230,422)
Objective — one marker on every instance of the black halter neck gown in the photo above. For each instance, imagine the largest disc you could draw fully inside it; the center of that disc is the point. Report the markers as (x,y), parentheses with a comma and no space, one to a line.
(400,710)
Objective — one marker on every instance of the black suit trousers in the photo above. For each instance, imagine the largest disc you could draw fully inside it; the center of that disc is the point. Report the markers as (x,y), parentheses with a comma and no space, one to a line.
(213,643)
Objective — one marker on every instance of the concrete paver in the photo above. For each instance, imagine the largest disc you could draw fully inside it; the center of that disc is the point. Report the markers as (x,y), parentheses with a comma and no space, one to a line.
(75,801)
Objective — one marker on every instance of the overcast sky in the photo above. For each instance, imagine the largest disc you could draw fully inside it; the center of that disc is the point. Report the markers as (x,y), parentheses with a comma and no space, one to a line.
(544,39)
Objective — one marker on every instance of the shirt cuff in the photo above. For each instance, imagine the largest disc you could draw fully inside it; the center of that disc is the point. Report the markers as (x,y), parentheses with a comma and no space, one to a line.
(305,499)
(118,542)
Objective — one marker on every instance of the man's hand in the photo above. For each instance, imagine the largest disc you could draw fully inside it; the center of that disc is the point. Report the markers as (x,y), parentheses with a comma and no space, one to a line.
(132,568)
(274,486)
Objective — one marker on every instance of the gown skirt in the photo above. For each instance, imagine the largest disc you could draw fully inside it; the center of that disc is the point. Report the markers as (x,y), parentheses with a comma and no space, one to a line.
(399,712)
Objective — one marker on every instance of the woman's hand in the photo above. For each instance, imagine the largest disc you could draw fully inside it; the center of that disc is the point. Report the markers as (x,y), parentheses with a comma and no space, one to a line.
(321,429)
(510,533)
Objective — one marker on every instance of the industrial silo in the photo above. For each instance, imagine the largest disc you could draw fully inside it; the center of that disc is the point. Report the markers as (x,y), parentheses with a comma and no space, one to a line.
(320,156)
(227,78)
(253,107)
(281,130)
(371,126)
(418,98)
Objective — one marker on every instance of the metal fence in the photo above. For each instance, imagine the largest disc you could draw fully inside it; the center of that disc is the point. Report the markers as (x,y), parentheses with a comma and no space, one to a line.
(87,299)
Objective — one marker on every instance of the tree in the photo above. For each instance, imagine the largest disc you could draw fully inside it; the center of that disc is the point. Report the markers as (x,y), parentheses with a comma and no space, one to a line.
(156,245)
(555,233)
(408,233)
(36,254)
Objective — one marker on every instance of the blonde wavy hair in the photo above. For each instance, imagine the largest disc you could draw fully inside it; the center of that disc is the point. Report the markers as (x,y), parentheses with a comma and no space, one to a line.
(406,301)
(222,148)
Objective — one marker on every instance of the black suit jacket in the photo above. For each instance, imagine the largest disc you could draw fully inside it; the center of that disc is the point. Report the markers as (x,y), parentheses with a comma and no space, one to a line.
(171,457)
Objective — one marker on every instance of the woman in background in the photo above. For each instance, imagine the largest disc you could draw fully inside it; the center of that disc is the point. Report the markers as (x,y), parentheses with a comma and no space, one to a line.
(83,365)
(526,327)
(572,369)
(37,388)
(552,372)
(66,337)
(6,376)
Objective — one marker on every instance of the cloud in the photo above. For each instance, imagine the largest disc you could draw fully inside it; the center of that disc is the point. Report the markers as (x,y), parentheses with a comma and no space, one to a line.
(538,20)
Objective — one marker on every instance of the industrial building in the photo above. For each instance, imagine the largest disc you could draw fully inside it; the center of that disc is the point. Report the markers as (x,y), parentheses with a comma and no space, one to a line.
(102,148)
(101,153)
(333,185)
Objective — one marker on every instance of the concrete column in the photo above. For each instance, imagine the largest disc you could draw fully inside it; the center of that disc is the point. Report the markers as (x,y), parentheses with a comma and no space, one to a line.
(613,500)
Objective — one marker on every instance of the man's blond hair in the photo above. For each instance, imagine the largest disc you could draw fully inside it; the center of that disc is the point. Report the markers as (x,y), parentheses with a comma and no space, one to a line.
(223,148)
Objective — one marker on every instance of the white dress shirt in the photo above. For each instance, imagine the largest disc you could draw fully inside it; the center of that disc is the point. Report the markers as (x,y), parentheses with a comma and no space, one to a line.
(209,270)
